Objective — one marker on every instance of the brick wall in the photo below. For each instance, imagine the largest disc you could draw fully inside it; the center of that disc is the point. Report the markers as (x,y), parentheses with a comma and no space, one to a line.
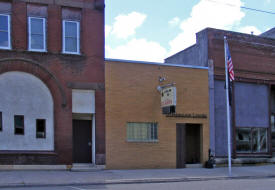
(58,70)
(132,96)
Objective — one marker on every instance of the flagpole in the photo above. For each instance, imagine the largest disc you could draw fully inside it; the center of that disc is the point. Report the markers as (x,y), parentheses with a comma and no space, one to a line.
(227,111)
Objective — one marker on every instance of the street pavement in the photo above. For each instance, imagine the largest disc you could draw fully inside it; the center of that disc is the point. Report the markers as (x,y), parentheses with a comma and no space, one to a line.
(105,178)
(243,184)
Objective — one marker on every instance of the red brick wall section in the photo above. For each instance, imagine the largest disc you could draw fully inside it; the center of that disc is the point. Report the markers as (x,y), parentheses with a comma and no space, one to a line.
(85,68)
(54,37)
(19,25)
(252,56)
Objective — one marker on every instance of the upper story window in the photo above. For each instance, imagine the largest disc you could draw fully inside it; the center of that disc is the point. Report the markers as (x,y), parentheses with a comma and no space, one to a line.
(71,37)
(5,31)
(37,34)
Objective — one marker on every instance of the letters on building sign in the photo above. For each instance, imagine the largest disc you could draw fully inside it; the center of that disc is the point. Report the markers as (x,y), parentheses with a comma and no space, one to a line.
(187,115)
(168,99)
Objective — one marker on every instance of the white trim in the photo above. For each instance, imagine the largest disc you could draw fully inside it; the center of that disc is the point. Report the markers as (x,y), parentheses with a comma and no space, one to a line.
(9,33)
(93,140)
(156,63)
(44,35)
(77,38)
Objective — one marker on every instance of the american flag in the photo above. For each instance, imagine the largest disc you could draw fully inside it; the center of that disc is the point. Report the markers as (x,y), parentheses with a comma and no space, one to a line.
(229,63)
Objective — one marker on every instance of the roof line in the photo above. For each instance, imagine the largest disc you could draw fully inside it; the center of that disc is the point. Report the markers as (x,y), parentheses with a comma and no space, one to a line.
(156,63)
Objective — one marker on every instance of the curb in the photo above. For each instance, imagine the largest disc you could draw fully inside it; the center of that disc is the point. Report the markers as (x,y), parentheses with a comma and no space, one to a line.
(136,181)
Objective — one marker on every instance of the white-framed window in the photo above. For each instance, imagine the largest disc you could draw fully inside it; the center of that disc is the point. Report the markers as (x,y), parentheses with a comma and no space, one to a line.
(5,41)
(37,34)
(71,37)
(142,132)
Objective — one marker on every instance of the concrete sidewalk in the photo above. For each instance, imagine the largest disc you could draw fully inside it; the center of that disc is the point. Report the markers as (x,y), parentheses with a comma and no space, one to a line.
(100,177)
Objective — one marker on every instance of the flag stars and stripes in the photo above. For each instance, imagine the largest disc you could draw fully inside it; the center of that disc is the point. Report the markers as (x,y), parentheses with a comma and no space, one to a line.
(229,64)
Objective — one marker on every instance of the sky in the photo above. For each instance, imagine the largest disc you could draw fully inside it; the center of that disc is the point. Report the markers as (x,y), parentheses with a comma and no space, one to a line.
(151,30)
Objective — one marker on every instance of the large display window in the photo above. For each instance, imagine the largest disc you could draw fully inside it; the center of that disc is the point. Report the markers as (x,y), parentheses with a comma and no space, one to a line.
(251,140)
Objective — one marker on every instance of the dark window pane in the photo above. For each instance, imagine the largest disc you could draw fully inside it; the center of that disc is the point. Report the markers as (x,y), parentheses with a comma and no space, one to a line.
(243,139)
(4,23)
(70,29)
(155,132)
(71,44)
(272,123)
(37,42)
(1,122)
(36,26)
(40,128)
(259,140)
(19,124)
(4,39)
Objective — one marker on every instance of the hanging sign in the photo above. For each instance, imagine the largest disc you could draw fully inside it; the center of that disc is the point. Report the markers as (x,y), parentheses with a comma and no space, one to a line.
(168,96)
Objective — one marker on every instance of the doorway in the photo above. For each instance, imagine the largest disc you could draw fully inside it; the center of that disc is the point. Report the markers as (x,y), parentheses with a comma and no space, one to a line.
(188,144)
(82,141)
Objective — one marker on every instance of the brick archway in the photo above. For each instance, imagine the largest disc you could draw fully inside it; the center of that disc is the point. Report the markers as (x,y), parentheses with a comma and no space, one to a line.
(36,69)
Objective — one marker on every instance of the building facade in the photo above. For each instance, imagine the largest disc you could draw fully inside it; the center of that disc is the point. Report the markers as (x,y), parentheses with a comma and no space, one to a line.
(52,99)
(140,131)
(252,107)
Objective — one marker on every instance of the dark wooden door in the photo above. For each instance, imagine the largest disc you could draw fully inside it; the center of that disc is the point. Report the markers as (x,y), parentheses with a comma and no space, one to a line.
(181,151)
(82,141)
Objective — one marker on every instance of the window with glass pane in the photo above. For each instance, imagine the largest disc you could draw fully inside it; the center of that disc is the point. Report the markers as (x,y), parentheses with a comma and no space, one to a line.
(243,139)
(251,140)
(71,37)
(37,34)
(41,128)
(4,31)
(19,124)
(142,132)
(272,123)
(0,121)
(259,140)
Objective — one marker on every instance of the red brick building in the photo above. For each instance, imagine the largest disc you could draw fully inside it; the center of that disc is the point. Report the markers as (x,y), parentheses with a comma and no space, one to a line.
(52,82)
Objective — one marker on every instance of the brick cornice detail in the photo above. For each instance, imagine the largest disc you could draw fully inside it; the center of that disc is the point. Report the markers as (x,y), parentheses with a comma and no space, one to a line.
(6,64)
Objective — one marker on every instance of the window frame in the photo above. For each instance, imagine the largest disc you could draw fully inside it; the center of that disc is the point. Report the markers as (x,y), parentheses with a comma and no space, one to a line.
(22,127)
(9,33)
(30,34)
(251,151)
(64,37)
(1,121)
(44,122)
(153,129)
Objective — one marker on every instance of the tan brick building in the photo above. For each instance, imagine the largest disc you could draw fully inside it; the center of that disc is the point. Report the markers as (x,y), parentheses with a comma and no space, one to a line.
(138,134)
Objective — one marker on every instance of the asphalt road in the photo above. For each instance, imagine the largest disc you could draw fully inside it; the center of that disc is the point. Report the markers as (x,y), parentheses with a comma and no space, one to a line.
(244,184)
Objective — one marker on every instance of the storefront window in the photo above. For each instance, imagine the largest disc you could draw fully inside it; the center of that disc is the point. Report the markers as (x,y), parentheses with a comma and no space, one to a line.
(273,123)
(243,139)
(259,140)
(251,140)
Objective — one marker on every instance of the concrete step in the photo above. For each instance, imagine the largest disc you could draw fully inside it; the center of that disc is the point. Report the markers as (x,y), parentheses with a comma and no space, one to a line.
(83,167)
(193,165)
